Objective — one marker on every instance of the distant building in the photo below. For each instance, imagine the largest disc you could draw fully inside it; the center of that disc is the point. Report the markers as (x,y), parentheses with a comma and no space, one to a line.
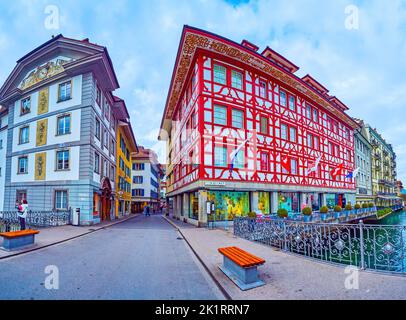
(363,160)
(146,173)
(383,169)
(399,187)
(3,149)
(126,145)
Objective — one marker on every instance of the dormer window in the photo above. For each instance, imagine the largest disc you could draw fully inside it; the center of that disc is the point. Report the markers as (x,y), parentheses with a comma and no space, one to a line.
(65,91)
(25,106)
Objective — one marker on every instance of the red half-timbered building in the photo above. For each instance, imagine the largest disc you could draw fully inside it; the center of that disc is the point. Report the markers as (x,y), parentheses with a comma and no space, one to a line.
(243,130)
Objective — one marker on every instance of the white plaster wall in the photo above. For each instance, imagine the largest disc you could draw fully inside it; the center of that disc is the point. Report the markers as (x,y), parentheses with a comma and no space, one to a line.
(51,173)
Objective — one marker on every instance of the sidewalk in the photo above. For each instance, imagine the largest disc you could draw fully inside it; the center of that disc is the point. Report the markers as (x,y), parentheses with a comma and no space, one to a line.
(55,235)
(288,276)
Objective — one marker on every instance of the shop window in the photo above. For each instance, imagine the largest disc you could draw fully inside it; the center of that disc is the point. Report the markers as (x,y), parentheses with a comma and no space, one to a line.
(194,205)
(229,204)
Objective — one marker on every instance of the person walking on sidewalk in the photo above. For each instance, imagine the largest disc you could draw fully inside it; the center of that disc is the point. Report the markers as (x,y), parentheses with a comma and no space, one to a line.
(22,213)
(148,213)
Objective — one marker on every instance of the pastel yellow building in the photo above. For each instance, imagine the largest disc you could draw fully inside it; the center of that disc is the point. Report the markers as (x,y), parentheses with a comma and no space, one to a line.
(126,145)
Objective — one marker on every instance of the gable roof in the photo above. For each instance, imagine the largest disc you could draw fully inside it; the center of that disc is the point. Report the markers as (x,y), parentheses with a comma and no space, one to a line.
(194,40)
(86,57)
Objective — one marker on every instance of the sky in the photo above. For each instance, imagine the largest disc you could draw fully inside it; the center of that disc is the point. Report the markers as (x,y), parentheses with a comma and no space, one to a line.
(360,60)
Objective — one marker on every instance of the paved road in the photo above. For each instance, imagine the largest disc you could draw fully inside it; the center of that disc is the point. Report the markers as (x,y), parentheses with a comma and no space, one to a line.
(137,259)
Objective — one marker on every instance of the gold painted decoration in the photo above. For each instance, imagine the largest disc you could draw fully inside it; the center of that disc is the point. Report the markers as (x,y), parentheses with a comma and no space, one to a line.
(43,101)
(42,127)
(40,165)
(43,72)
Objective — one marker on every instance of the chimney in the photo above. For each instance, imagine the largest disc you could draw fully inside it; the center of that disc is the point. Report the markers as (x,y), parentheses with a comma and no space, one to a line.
(249,45)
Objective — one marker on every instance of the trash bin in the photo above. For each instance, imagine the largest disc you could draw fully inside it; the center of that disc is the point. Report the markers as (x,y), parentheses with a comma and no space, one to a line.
(76,217)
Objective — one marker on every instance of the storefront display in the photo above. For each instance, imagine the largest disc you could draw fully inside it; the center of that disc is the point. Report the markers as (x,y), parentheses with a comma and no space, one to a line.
(312,200)
(263,202)
(194,205)
(229,204)
(289,201)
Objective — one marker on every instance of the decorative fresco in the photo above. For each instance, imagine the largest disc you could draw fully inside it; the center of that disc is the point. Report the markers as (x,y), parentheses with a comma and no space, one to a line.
(43,72)
(40,165)
(288,201)
(263,202)
(229,204)
(42,127)
(43,101)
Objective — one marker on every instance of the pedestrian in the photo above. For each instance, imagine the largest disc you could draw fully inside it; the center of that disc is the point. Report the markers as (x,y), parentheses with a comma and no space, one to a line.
(22,213)
(148,213)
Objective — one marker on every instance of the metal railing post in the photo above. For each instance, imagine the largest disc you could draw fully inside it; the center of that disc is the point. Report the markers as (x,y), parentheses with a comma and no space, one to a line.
(285,240)
(361,240)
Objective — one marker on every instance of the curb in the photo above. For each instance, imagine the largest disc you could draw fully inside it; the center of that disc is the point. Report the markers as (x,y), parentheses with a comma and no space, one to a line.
(221,288)
(68,239)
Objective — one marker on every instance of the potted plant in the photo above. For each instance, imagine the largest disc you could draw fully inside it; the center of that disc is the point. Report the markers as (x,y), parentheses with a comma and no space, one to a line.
(323,212)
(282,213)
(357,207)
(337,211)
(348,209)
(307,212)
(252,215)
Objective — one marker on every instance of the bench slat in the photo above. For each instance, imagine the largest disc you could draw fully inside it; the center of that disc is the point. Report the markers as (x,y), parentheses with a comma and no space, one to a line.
(241,257)
(16,234)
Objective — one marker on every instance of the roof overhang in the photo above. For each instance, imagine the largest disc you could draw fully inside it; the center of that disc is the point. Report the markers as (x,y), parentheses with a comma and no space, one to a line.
(314,83)
(194,40)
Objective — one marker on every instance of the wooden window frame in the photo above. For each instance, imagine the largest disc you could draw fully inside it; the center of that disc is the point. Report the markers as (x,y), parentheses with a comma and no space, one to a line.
(19,135)
(21,106)
(67,199)
(57,124)
(59,100)
(18,165)
(56,160)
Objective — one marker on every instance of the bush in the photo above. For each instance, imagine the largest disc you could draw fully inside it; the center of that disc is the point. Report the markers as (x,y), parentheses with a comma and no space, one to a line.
(371,204)
(337,209)
(252,215)
(365,205)
(282,213)
(324,209)
(383,212)
(348,207)
(307,211)
(357,206)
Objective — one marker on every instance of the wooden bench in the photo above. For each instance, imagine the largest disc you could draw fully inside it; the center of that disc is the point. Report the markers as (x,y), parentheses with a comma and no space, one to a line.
(241,267)
(18,239)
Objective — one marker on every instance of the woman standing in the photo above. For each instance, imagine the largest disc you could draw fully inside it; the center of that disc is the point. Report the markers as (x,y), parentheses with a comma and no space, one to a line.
(22,213)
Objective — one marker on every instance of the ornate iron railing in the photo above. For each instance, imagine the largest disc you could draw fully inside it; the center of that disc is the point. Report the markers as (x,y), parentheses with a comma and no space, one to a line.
(372,247)
(9,219)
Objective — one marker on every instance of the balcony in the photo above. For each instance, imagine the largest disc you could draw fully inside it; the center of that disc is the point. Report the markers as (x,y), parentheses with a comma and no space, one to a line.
(377,155)
(390,194)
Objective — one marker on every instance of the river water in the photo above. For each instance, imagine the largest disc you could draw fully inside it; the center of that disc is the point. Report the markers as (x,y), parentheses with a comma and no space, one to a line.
(398,218)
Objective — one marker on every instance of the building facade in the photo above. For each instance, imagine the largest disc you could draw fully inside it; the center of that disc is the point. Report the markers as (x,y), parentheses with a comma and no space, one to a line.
(383,169)
(363,161)
(243,130)
(126,145)
(146,173)
(3,149)
(62,128)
